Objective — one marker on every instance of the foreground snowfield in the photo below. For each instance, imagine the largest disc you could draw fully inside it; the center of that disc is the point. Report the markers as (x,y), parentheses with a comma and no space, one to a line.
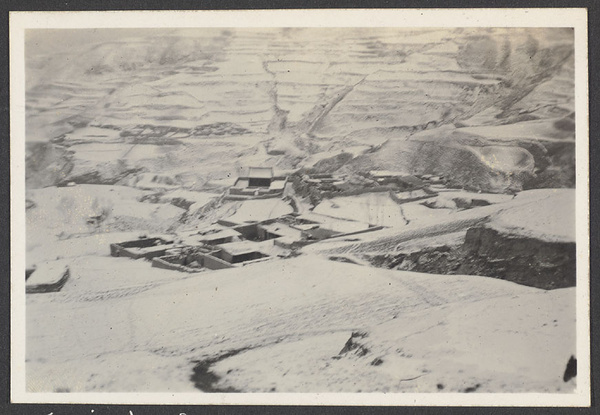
(457,347)
(123,326)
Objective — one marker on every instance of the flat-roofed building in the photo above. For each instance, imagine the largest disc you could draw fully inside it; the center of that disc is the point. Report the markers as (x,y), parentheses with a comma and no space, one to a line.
(257,182)
(142,247)
(48,277)
(238,252)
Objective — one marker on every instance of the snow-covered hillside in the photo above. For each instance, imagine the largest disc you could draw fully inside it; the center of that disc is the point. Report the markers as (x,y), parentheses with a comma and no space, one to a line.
(215,100)
(290,320)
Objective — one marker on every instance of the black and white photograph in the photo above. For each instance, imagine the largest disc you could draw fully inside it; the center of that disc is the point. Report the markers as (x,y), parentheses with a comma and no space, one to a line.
(207,211)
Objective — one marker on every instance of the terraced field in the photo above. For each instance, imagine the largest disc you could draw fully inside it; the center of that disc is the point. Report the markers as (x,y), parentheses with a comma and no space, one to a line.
(215,100)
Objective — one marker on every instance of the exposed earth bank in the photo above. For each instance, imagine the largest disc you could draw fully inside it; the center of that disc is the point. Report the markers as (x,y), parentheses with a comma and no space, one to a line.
(532,243)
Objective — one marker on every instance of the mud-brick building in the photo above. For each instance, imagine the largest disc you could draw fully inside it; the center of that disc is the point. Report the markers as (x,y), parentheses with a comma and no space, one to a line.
(258,182)
(239,252)
(142,247)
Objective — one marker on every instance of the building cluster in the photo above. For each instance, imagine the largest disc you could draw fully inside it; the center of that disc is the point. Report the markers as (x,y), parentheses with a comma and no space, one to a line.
(228,244)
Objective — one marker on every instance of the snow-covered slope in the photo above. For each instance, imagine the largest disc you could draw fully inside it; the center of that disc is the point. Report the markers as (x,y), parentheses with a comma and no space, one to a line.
(134,330)
(461,347)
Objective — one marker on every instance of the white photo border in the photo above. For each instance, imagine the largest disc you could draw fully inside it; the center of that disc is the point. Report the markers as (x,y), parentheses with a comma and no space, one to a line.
(576,18)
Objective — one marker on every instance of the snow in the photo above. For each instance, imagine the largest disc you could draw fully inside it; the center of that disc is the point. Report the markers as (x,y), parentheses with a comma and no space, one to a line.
(424,222)
(414,74)
(385,173)
(140,152)
(99,152)
(284,230)
(216,233)
(198,199)
(98,375)
(47,248)
(47,273)
(534,130)
(260,172)
(277,185)
(58,224)
(94,133)
(335,224)
(456,346)
(550,218)
(451,199)
(65,209)
(372,208)
(259,210)
(242,247)
(99,277)
(120,313)
(417,244)
(505,159)
(462,194)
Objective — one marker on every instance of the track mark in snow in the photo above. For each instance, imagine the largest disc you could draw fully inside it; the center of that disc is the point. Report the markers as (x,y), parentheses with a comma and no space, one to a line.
(426,295)
(409,379)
